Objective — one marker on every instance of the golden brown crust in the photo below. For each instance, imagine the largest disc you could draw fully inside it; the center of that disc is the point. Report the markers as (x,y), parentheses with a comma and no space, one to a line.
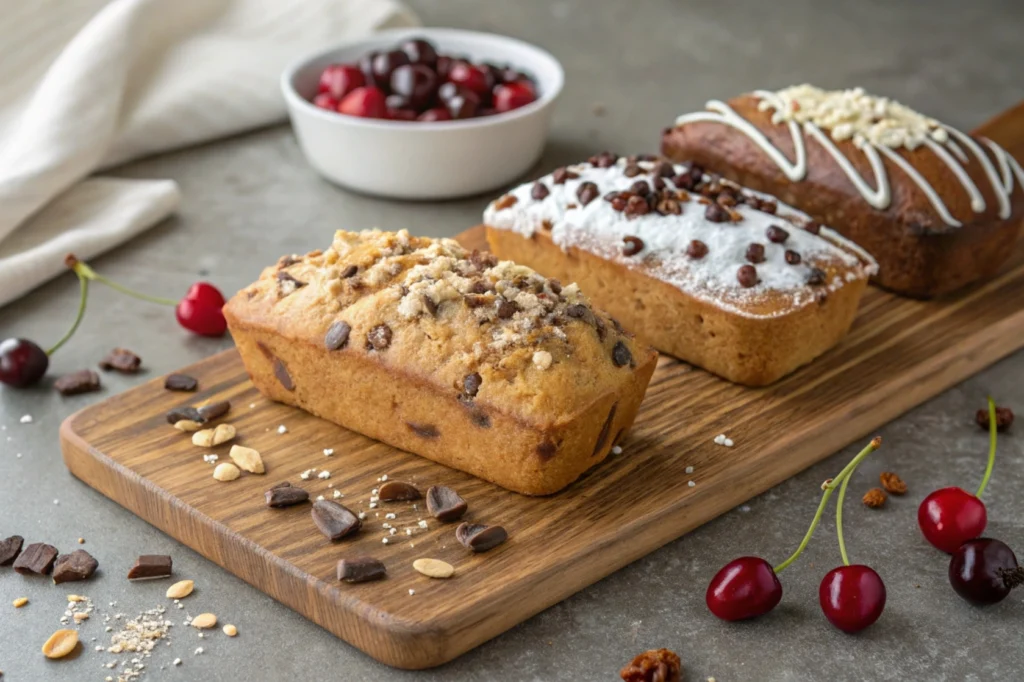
(918,254)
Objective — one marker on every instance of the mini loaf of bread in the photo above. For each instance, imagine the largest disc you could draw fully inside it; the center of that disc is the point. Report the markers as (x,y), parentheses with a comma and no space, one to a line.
(481,365)
(730,280)
(937,208)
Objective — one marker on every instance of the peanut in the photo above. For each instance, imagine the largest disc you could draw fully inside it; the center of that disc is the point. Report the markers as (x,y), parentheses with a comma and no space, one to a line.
(434,568)
(225,471)
(210,437)
(204,621)
(230,630)
(247,459)
(20,601)
(60,644)
(180,589)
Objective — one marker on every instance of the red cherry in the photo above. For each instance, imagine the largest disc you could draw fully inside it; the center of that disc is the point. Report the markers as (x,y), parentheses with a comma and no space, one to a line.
(745,588)
(325,101)
(852,597)
(435,114)
(200,310)
(22,362)
(949,517)
(338,80)
(469,76)
(513,95)
(365,102)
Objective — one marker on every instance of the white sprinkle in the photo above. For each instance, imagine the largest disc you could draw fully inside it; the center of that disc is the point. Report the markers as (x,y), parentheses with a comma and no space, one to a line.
(324,475)
(200,635)
(98,648)
(328,452)
(26,419)
(282,429)
(373,505)
(690,483)
(337,494)
(389,515)
(616,450)
(177,661)
(199,650)
(722,439)
(393,531)
(689,470)
(384,478)
(411,592)
(422,523)
(408,531)
(384,540)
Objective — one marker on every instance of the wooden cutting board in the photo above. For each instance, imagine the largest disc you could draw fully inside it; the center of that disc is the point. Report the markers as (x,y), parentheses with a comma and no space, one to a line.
(899,353)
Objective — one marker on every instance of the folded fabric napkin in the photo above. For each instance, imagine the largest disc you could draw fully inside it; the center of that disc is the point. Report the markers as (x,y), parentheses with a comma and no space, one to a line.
(87,84)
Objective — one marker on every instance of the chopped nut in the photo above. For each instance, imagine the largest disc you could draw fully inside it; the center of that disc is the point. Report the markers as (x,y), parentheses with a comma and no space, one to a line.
(187,425)
(204,621)
(210,437)
(20,601)
(60,644)
(892,483)
(230,630)
(225,471)
(657,664)
(434,568)
(76,598)
(247,459)
(80,616)
(180,589)
(875,498)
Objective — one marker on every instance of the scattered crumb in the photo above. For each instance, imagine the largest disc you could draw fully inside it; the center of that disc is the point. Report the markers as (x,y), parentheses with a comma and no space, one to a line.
(390,515)
(230,630)
(210,459)
(20,601)
(81,541)
(690,484)
(616,450)
(324,475)
(282,429)
(722,439)
(422,523)
(745,508)
(26,419)
(177,661)
(362,515)
(384,540)
(307,474)
(252,406)
(319,498)
(56,501)
(689,470)
(328,452)
(411,592)
(199,650)
(337,494)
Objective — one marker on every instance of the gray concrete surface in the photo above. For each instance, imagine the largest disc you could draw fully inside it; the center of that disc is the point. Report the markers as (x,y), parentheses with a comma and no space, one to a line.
(251,198)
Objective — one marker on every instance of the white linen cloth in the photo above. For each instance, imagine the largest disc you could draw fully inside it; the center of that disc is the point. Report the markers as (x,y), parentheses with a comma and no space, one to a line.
(87,84)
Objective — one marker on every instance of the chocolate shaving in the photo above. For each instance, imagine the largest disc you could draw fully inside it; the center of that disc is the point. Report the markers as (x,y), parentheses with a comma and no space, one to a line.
(335,521)
(37,558)
(121,360)
(82,381)
(480,538)
(180,382)
(79,565)
(444,504)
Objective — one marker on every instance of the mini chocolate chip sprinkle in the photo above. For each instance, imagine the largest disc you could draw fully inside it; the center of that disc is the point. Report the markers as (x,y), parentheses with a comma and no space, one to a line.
(444,504)
(816,277)
(696,249)
(637,206)
(471,384)
(539,191)
(621,355)
(792,257)
(180,382)
(640,188)
(560,175)
(716,213)
(506,309)
(587,192)
(632,245)
(82,381)
(480,538)
(335,521)
(378,338)
(349,271)
(747,276)
(619,203)
(813,226)
(361,569)
(776,234)
(337,335)
(755,253)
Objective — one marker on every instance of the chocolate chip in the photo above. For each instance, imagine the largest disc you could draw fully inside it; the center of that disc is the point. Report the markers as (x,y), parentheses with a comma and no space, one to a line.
(212,411)
(716,213)
(398,491)
(577,310)
(767,206)
(10,549)
(151,567)
(658,184)
(621,355)
(337,335)
(816,277)
(664,170)
(637,206)
(603,160)
(471,384)
(82,381)
(444,504)
(640,188)
(480,419)
(285,495)
(555,286)
(696,249)
(792,257)
(600,327)
(669,207)
(506,309)
(378,338)
(287,261)
(479,286)
(620,202)
(349,271)
(632,245)
(747,275)
(587,192)
(335,521)
(37,558)
(423,430)
(602,438)
(539,191)
(726,198)
(560,175)
(479,537)
(755,253)
(632,170)
(361,570)
(813,226)
(180,382)
(482,259)
(687,181)
(287,283)
(429,304)
(122,360)
(776,234)
(546,450)
(79,565)
(281,372)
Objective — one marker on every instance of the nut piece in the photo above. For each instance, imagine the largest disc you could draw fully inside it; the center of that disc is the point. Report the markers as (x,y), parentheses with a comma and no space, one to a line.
(60,644)
(892,483)
(875,498)
(210,437)
(230,630)
(180,589)
(434,568)
(204,621)
(20,601)
(657,664)
(247,459)
(187,425)
(80,616)
(226,471)
(76,598)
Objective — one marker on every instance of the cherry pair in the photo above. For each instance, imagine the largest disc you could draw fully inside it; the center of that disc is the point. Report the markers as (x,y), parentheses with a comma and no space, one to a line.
(852,597)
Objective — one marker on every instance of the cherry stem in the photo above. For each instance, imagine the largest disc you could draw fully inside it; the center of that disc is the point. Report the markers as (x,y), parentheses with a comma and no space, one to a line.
(83,270)
(991,446)
(83,294)
(829,487)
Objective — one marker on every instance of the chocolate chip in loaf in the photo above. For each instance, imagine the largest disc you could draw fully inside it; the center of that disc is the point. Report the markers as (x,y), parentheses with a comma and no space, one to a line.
(424,430)
(337,335)
(621,355)
(430,305)
(577,310)
(776,234)
(79,565)
(180,382)
(335,521)
(696,249)
(602,437)
(287,261)
(755,253)
(792,257)
(560,175)
(82,381)
(555,286)
(281,372)
(479,537)
(121,360)
(444,504)
(480,418)
(506,309)
(546,450)
(747,276)
(812,226)
(10,548)
(361,570)
(587,192)
(398,491)
(600,327)
(632,170)
(816,276)
(664,169)
(1004,420)
(640,188)
(37,558)
(632,245)
(286,284)
(603,160)
(285,495)
(471,384)
(637,206)
(716,213)
(378,338)
(669,207)
(151,567)
(539,191)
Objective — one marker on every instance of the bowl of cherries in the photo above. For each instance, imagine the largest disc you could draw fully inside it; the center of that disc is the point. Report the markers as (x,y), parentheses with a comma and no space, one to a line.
(426,113)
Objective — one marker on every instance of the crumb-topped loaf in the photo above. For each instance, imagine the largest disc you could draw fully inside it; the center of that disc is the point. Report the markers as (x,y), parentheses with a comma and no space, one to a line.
(473,362)
(937,208)
(665,246)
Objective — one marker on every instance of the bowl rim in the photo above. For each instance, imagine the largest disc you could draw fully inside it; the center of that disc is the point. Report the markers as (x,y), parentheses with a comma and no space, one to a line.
(295,100)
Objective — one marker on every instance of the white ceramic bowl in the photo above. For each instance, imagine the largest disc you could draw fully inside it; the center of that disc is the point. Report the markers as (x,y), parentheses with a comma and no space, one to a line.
(413,160)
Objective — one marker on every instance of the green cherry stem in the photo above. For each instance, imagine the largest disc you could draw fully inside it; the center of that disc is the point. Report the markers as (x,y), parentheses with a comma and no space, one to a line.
(83,294)
(991,446)
(83,270)
(829,487)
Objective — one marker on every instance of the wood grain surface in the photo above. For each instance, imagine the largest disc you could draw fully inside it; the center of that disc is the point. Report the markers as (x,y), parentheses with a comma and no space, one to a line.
(898,354)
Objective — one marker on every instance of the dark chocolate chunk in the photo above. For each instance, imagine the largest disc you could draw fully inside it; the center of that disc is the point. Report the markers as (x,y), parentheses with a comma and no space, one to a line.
(621,355)
(79,565)
(429,304)
(813,226)
(378,338)
(687,180)
(669,207)
(444,504)
(539,191)
(755,253)
(1004,420)
(602,438)
(337,335)
(555,286)
(186,413)
(726,198)
(180,382)
(479,537)
(349,271)
(287,283)
(747,275)
(587,192)
(716,213)
(546,450)
(151,567)
(398,491)
(212,411)
(792,257)
(36,558)
(335,521)
(640,188)
(281,372)
(664,170)
(480,419)
(696,249)
(632,245)
(361,570)
(604,160)
(471,384)
(122,360)
(423,430)
(285,495)
(577,310)
(776,234)
(620,202)
(560,175)
(637,206)
(817,276)
(287,261)
(10,549)
(82,381)
(506,309)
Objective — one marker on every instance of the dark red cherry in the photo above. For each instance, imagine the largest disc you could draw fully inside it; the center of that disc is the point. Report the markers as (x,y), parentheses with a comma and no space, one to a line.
(416,83)
(22,362)
(435,114)
(510,75)
(384,64)
(338,80)
(420,51)
(469,76)
(365,102)
(443,66)
(745,588)
(852,597)
(949,517)
(983,571)
(511,96)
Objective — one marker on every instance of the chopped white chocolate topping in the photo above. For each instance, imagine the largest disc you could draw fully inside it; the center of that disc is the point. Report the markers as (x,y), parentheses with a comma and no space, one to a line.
(542,359)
